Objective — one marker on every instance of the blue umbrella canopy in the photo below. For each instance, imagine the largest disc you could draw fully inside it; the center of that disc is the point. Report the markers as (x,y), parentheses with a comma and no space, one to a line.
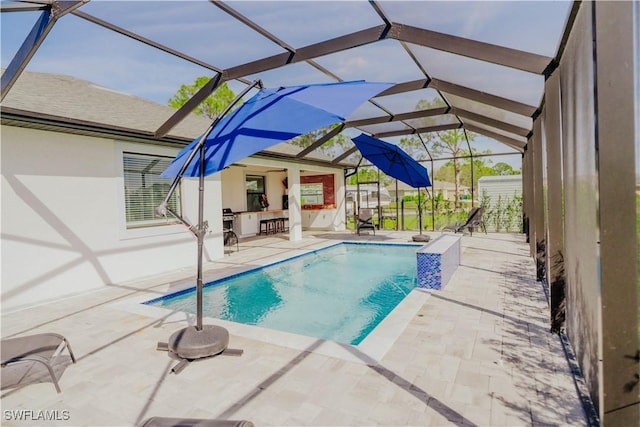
(273,116)
(392,160)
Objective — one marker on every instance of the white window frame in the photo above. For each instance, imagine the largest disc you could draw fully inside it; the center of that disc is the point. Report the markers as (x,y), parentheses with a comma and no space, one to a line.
(153,230)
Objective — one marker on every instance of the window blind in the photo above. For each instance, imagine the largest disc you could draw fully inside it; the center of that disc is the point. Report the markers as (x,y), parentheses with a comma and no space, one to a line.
(145,189)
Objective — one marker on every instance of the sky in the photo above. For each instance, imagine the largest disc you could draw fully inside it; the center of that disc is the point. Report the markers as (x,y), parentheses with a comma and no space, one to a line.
(84,50)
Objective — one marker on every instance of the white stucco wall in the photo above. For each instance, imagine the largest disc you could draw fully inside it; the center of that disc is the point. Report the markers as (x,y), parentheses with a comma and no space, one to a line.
(234,195)
(63,224)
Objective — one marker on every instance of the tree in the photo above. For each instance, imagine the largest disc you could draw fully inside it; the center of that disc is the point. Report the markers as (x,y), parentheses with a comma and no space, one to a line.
(452,143)
(212,105)
(481,167)
(502,168)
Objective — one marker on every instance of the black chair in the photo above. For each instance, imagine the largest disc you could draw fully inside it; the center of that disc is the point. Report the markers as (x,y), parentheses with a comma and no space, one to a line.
(474,221)
(365,220)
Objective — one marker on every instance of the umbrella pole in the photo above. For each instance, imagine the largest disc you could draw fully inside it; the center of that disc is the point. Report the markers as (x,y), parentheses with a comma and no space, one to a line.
(202,229)
(419,212)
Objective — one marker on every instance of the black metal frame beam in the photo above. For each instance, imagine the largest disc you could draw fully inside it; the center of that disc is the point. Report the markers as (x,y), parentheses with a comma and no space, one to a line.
(507,57)
(51,12)
(326,137)
(483,97)
(489,121)
(513,143)
(414,131)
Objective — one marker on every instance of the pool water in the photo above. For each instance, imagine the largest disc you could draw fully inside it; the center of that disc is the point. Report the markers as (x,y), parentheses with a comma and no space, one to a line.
(340,293)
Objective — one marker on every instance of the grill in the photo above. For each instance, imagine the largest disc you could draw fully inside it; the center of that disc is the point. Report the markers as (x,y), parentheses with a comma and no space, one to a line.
(227,219)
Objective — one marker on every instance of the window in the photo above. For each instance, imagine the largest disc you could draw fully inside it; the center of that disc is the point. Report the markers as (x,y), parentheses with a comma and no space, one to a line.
(254,185)
(317,191)
(311,194)
(145,189)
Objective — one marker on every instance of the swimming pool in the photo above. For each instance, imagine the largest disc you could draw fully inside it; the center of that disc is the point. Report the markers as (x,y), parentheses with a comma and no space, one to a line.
(340,293)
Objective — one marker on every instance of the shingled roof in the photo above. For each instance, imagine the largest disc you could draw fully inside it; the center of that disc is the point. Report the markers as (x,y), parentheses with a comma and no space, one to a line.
(68,104)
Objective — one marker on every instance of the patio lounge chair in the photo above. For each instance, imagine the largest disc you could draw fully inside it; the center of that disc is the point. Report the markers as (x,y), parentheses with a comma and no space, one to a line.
(474,221)
(41,348)
(365,220)
(193,422)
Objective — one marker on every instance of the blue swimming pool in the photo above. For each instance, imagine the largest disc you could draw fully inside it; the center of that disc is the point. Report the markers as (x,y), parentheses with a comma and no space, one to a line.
(340,293)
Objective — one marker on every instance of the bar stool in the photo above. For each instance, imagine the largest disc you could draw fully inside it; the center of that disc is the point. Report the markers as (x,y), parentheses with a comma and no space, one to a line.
(265,226)
(279,225)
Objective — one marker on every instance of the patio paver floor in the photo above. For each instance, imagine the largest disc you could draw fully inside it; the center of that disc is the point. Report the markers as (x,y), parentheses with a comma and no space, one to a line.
(476,353)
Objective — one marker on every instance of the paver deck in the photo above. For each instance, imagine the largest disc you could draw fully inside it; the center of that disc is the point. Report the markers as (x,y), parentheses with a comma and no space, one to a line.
(477,352)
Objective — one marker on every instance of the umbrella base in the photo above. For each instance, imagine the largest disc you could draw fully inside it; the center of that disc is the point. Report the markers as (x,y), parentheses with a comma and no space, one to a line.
(190,343)
(421,238)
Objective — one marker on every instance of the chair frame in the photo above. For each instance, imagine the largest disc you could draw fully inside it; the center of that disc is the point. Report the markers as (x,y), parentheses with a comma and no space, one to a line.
(365,222)
(474,221)
(41,348)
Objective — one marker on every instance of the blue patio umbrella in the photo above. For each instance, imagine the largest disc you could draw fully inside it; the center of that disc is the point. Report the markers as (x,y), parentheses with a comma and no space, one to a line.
(395,162)
(273,116)
(269,117)
(392,160)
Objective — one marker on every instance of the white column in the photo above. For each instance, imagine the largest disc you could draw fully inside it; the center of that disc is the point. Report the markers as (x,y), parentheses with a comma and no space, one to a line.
(213,240)
(295,208)
(340,198)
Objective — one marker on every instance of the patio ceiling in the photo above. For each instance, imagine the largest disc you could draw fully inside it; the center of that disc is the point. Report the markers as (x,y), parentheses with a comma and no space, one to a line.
(477,66)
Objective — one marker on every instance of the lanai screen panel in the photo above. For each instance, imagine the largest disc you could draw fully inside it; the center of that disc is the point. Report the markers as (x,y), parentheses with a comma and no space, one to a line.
(386,127)
(495,79)
(520,23)
(489,111)
(367,110)
(412,101)
(581,198)
(442,119)
(111,60)
(298,73)
(479,127)
(221,41)
(18,24)
(385,60)
(303,23)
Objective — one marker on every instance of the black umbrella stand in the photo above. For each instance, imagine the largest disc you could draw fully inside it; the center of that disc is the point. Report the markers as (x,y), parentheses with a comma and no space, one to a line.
(420,237)
(198,341)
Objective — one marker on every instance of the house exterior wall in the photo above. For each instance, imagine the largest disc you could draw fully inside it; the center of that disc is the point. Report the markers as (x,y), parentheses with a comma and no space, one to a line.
(234,195)
(502,188)
(63,218)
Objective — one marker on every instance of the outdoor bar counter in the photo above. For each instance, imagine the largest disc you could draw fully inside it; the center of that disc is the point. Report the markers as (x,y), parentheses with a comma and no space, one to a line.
(248,223)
